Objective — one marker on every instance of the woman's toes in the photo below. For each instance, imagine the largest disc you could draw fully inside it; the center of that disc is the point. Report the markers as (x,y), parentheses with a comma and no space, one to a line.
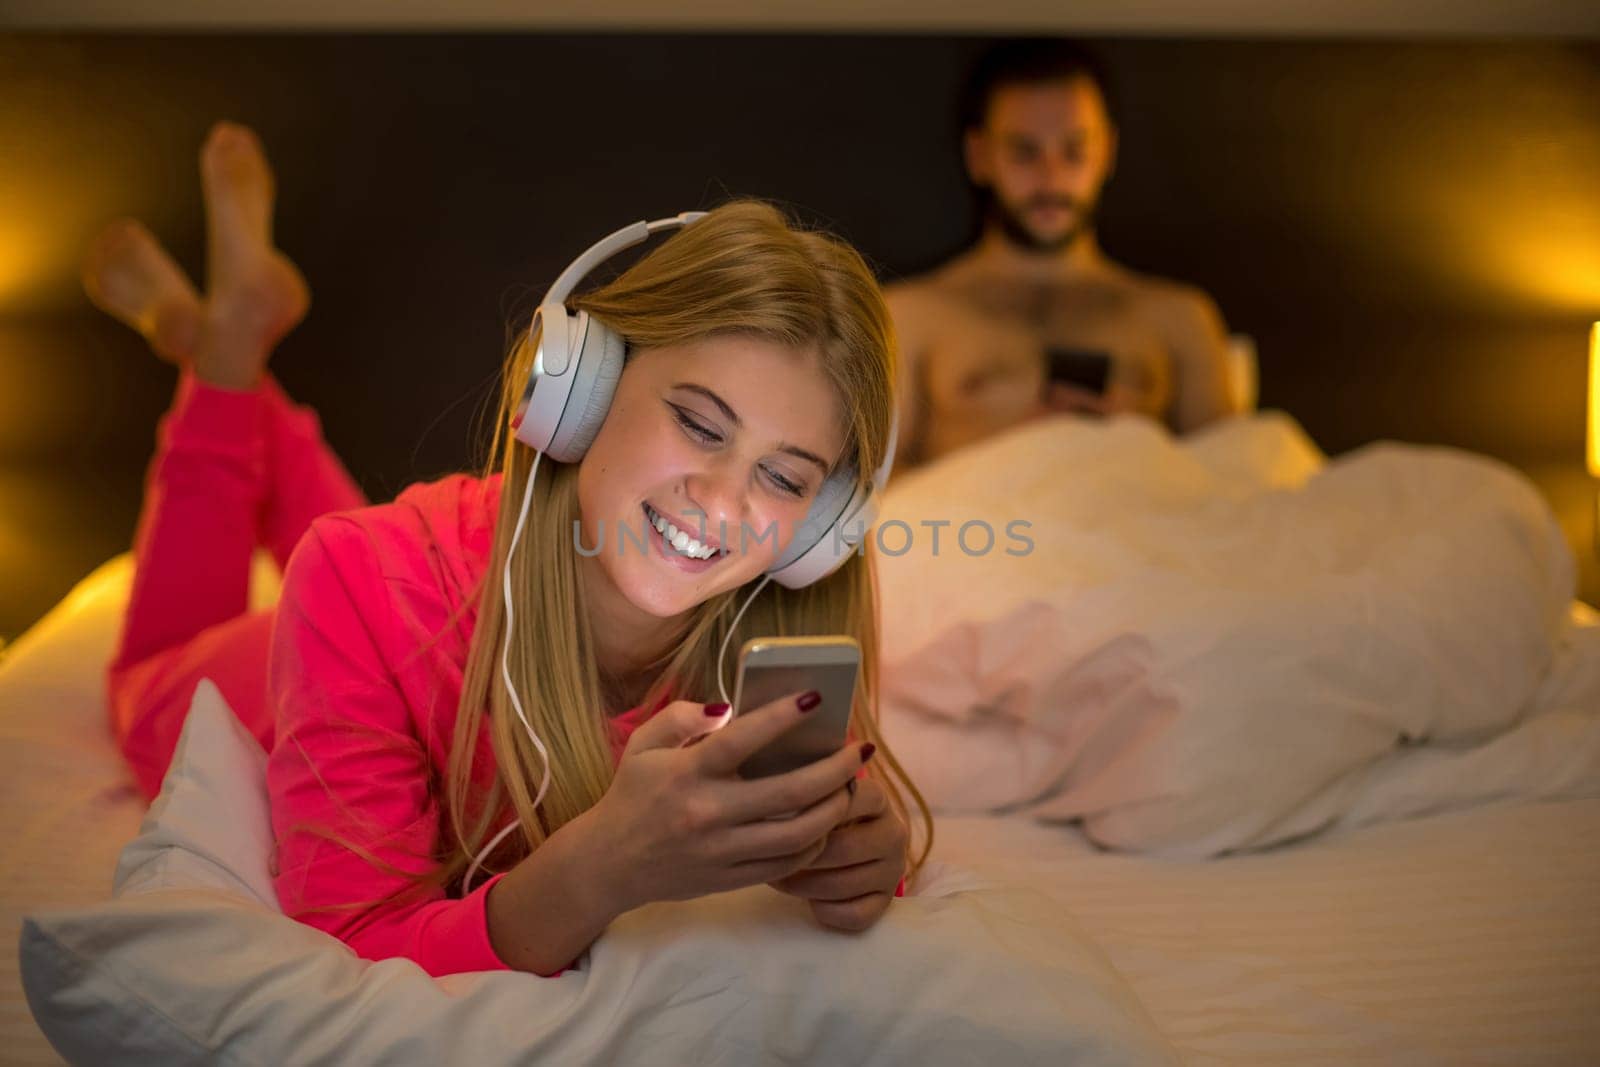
(254,294)
(110,268)
(127,274)
(250,280)
(238,186)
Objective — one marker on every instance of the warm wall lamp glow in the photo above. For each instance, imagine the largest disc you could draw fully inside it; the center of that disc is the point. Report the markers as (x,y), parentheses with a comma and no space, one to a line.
(1594,400)
(1593,442)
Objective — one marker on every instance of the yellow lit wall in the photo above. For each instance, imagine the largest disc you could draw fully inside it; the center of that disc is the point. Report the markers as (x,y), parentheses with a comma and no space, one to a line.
(1594,400)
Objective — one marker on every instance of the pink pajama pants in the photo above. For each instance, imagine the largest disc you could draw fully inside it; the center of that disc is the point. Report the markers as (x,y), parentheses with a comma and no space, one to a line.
(232,470)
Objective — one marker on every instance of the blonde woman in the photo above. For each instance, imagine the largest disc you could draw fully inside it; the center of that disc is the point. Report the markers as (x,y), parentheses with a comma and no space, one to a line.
(758,361)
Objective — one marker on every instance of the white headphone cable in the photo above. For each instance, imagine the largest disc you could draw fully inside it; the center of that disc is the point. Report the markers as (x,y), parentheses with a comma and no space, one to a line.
(511,689)
(722,653)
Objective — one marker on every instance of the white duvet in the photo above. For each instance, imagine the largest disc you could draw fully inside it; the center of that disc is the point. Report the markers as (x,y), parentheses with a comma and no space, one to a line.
(1227,641)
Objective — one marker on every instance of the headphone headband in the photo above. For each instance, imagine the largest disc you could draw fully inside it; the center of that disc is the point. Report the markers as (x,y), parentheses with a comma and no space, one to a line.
(632,234)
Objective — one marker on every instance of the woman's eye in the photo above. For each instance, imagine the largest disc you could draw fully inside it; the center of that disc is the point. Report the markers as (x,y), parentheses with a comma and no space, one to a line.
(695,428)
(783,483)
(706,435)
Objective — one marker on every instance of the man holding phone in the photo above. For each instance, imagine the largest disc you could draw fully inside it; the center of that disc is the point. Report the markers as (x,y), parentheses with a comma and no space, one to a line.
(1034,318)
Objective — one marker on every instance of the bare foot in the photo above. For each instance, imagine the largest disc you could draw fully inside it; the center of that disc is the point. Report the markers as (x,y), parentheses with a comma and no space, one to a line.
(254,295)
(128,275)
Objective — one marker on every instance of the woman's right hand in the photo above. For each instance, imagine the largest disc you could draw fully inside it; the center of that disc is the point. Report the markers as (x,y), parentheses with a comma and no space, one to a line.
(679,822)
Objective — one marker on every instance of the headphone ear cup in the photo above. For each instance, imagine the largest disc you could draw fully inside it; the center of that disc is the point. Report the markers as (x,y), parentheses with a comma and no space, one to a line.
(818,526)
(598,364)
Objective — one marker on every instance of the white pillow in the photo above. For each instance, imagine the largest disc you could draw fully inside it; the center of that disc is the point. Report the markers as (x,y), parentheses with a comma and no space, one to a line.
(192,962)
(210,825)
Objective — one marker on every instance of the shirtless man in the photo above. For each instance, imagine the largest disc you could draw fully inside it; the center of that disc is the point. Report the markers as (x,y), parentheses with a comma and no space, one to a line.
(979,336)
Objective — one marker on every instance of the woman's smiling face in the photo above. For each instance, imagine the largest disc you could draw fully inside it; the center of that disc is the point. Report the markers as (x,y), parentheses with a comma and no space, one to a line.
(729,434)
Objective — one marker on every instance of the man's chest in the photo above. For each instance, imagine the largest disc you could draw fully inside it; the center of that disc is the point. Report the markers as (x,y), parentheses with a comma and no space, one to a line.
(1010,340)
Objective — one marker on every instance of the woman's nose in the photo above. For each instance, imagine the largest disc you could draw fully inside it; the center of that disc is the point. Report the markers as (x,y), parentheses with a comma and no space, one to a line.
(717,493)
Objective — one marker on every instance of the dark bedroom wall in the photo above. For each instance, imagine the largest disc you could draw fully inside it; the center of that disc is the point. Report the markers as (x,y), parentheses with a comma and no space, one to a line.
(1410,230)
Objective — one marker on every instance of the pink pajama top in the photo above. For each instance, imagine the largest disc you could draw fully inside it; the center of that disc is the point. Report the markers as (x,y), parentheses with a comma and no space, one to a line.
(364,679)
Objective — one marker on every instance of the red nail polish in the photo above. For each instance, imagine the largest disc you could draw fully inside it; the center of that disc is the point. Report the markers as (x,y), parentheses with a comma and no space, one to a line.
(809,699)
(716,711)
(867,750)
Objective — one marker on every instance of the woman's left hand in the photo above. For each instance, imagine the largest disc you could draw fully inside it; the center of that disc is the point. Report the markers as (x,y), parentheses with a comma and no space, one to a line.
(852,882)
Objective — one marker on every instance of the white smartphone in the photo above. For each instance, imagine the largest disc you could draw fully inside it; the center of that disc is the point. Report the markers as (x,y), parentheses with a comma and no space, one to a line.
(772,667)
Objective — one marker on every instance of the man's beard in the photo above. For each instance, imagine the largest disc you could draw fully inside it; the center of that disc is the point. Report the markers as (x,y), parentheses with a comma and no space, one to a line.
(1014,226)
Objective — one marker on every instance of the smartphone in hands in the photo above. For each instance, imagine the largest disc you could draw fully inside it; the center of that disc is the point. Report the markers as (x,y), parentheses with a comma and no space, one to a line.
(773,667)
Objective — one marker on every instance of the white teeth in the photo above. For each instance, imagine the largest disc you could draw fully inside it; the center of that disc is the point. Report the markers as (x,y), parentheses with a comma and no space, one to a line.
(680,539)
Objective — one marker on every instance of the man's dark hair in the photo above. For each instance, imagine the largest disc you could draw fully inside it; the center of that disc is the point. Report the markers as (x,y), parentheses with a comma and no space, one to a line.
(1028,61)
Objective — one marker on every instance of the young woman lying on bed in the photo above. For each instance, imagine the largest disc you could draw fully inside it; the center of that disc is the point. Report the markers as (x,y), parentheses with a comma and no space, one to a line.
(759,359)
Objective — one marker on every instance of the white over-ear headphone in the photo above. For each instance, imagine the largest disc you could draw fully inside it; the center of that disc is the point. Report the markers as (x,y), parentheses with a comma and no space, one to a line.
(575,371)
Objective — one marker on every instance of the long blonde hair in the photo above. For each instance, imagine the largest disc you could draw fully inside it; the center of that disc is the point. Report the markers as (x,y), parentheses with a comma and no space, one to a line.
(743,269)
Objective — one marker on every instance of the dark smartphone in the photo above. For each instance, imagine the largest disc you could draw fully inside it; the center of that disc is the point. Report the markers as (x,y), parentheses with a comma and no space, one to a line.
(1085,368)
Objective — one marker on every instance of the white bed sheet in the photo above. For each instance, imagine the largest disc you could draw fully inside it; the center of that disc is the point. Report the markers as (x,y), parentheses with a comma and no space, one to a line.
(67,804)
(1470,937)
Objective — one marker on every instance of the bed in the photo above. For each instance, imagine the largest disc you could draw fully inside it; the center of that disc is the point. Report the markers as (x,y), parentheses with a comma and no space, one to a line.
(1431,902)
